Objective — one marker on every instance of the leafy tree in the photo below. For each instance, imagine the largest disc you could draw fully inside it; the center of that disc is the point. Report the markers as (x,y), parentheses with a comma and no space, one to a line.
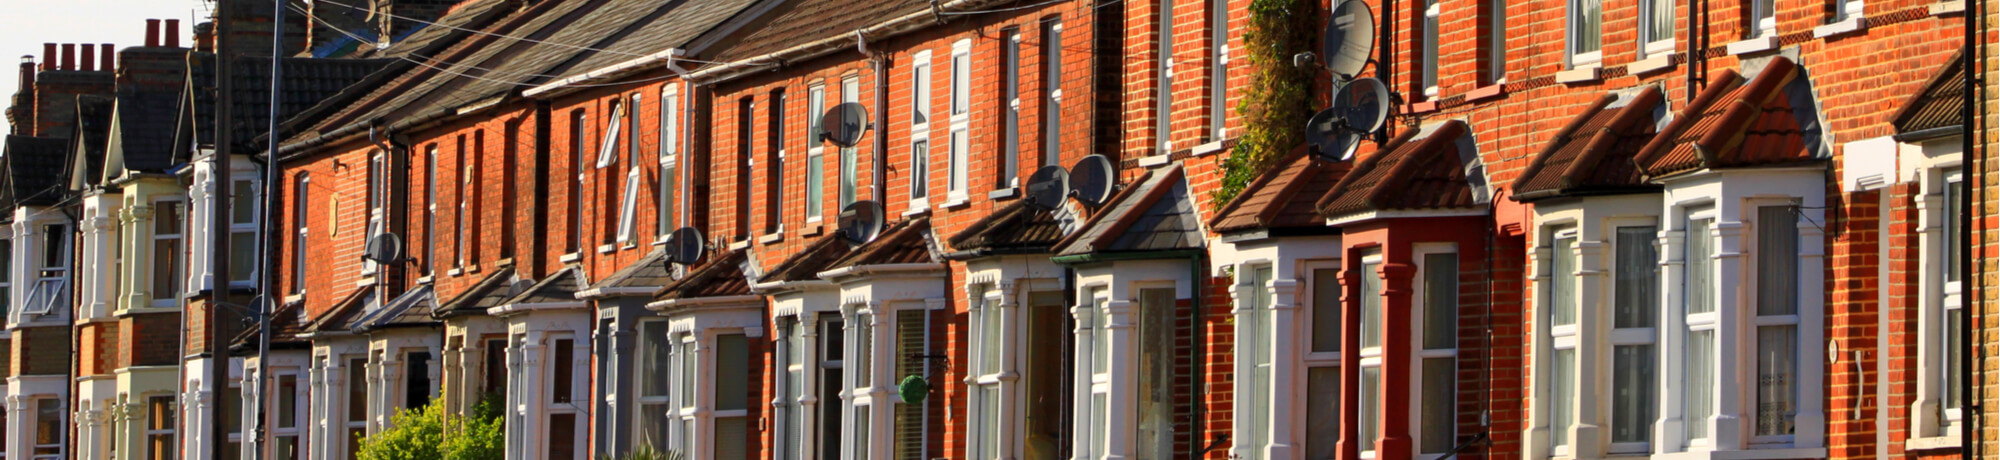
(420,434)
(1279,99)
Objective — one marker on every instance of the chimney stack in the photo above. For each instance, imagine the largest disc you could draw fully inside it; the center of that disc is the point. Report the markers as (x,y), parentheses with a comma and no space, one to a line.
(27,72)
(173,33)
(152,33)
(68,57)
(204,36)
(49,56)
(109,57)
(89,61)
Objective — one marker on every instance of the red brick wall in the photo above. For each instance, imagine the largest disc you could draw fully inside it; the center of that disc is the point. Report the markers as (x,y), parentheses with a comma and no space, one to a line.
(42,350)
(148,339)
(97,346)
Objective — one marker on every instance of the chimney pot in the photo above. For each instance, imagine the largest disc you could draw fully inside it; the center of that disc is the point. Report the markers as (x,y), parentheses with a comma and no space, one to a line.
(152,33)
(49,56)
(89,58)
(109,58)
(173,33)
(27,72)
(68,57)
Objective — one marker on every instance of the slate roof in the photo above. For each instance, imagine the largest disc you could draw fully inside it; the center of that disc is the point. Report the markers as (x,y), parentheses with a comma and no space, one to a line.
(286,324)
(1157,214)
(490,292)
(1283,197)
(650,271)
(806,264)
(560,287)
(336,319)
(1421,169)
(308,82)
(475,14)
(905,243)
(56,103)
(1937,105)
(1766,121)
(1015,228)
(811,20)
(720,276)
(413,308)
(143,139)
(1593,153)
(93,121)
(628,28)
(34,170)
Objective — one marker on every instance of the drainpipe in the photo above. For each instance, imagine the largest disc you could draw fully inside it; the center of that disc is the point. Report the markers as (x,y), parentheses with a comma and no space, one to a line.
(1198,281)
(880,156)
(1974,32)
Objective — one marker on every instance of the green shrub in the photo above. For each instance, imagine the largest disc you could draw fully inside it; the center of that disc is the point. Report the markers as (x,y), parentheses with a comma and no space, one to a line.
(1279,99)
(420,434)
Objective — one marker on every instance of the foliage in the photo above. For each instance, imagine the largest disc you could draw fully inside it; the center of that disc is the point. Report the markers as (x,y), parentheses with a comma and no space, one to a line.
(1279,99)
(646,452)
(419,434)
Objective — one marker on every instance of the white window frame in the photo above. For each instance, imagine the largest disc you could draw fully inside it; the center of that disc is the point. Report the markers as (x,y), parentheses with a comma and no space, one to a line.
(299,412)
(378,187)
(628,209)
(1631,336)
(989,328)
(7,281)
(1052,54)
(1432,65)
(460,232)
(1940,299)
(1764,18)
(815,154)
(1092,314)
(1371,356)
(922,132)
(1218,98)
(607,149)
(960,139)
(1574,21)
(641,400)
(1163,87)
(1649,45)
(1752,210)
(1560,337)
(51,281)
(862,323)
(1009,167)
(302,197)
(1309,359)
(167,299)
(670,148)
(1253,299)
(850,161)
(430,209)
(62,437)
(1418,303)
(1703,322)
(779,105)
(254,201)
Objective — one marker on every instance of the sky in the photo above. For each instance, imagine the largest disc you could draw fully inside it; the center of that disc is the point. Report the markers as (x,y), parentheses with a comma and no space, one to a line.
(28,24)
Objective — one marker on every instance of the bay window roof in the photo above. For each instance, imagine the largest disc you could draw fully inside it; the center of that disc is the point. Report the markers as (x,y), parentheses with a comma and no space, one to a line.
(1770,120)
(1593,153)
(34,168)
(650,272)
(721,275)
(1156,214)
(559,288)
(805,265)
(906,242)
(489,293)
(286,325)
(1420,170)
(337,318)
(413,308)
(1284,197)
(1014,228)
(1937,105)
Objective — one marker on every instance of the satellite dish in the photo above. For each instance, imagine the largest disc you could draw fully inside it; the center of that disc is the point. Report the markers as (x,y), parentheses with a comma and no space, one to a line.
(1363,104)
(843,124)
(1350,38)
(1047,187)
(385,248)
(684,246)
(861,222)
(1090,180)
(1329,134)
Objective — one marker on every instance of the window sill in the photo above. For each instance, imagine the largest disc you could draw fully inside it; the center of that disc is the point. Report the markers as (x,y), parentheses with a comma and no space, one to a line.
(1205,149)
(917,209)
(1932,443)
(739,245)
(1420,107)
(295,298)
(1583,74)
(812,229)
(1650,65)
(1851,25)
(1767,42)
(365,282)
(954,200)
(1154,160)
(571,257)
(1945,8)
(1486,92)
(771,237)
(424,280)
(607,248)
(472,269)
(1005,193)
(504,262)
(454,272)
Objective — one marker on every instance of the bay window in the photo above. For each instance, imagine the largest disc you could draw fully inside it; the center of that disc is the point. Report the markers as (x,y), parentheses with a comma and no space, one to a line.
(1698,305)
(1777,322)
(650,424)
(1635,294)
(731,438)
(1322,365)
(985,388)
(52,272)
(1254,298)
(1371,351)
(1437,353)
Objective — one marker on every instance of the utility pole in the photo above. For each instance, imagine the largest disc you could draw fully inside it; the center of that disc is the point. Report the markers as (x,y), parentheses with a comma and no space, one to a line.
(218,321)
(265,307)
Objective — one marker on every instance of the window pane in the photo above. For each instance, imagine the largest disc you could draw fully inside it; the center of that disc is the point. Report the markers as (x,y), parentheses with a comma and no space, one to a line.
(1632,383)
(1100,344)
(562,437)
(961,84)
(1371,305)
(1371,406)
(1777,260)
(242,257)
(847,177)
(563,369)
(864,351)
(815,185)
(1697,399)
(1440,301)
(652,358)
(242,202)
(1638,277)
(1951,241)
(1585,32)
(1562,281)
(960,156)
(1322,412)
(1431,44)
(1562,396)
(990,336)
(357,390)
(920,169)
(1700,267)
(167,218)
(920,107)
(1660,20)
(288,403)
(1326,310)
(1440,416)
(1777,388)
(166,269)
(732,373)
(417,389)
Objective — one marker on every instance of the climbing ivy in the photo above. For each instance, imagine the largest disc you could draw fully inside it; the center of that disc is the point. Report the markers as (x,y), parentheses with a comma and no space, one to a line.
(1279,99)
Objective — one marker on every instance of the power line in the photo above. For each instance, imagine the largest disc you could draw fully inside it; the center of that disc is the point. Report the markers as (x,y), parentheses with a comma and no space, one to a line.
(499,35)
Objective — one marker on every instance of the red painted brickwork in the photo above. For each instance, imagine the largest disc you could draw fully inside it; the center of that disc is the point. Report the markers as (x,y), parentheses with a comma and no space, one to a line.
(42,350)
(148,339)
(97,348)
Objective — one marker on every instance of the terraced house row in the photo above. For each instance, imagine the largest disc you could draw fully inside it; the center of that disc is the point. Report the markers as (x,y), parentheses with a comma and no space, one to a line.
(1724,229)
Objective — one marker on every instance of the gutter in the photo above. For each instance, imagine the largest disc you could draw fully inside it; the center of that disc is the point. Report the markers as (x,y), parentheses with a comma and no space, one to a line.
(776,287)
(896,26)
(881,269)
(660,306)
(517,308)
(600,293)
(1929,134)
(1078,259)
(982,253)
(560,87)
